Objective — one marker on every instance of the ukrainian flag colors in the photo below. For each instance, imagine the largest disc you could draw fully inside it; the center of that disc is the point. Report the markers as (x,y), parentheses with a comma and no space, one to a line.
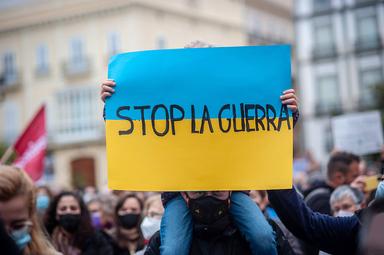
(200,119)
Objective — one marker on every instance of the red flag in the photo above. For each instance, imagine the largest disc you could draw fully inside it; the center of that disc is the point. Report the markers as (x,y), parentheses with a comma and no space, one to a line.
(31,146)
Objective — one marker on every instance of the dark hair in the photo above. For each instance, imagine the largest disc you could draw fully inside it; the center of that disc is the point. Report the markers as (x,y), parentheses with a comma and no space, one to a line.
(85,229)
(46,189)
(340,162)
(120,204)
(122,200)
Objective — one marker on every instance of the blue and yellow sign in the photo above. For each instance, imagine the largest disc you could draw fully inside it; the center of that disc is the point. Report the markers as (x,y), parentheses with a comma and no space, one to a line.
(200,119)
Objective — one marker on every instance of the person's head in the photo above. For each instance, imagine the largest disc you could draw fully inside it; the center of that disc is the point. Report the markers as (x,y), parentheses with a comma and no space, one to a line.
(343,168)
(128,212)
(68,213)
(153,212)
(17,211)
(209,211)
(345,201)
(95,209)
(43,198)
(89,193)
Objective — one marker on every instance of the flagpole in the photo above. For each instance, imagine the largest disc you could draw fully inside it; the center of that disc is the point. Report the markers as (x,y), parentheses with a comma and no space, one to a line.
(7,154)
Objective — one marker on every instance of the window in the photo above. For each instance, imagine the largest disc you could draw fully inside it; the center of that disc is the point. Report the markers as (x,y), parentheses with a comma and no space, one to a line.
(42,59)
(368,80)
(78,63)
(367,33)
(76,119)
(76,50)
(114,45)
(12,119)
(321,5)
(9,75)
(9,63)
(323,37)
(327,94)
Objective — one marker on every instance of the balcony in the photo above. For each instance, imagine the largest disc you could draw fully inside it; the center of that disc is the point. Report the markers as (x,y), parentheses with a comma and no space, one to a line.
(77,68)
(323,51)
(10,81)
(74,117)
(367,44)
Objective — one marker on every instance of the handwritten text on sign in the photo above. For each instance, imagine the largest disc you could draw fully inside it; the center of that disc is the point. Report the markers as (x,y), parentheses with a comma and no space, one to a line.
(200,119)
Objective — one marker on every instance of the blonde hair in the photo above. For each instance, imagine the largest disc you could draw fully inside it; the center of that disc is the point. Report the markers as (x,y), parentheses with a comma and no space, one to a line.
(15,182)
(149,201)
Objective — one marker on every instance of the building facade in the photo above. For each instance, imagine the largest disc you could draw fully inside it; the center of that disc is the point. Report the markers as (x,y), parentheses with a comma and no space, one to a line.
(340,59)
(56,53)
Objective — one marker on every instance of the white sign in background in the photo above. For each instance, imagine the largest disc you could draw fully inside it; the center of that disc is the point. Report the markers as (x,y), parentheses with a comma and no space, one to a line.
(359,133)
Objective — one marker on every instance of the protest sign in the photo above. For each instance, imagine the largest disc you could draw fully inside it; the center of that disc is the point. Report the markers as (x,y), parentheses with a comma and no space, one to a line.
(200,119)
(360,133)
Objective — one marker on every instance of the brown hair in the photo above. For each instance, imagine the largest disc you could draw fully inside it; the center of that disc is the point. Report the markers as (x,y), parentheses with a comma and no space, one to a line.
(15,182)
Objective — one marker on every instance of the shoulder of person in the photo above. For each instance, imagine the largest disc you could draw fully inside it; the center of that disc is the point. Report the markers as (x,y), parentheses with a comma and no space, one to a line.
(98,244)
(283,245)
(153,247)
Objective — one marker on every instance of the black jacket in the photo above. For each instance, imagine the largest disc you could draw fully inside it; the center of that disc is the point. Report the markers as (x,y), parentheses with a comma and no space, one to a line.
(116,248)
(230,242)
(335,235)
(97,245)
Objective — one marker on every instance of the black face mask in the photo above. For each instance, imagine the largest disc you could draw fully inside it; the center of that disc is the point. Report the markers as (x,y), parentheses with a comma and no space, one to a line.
(210,215)
(207,210)
(69,222)
(129,220)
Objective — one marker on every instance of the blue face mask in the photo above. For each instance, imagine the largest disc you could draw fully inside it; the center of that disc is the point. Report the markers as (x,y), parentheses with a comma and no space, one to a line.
(42,202)
(21,237)
(380,190)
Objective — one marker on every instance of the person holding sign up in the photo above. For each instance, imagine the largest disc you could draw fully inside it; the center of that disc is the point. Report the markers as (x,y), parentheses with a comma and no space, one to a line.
(210,211)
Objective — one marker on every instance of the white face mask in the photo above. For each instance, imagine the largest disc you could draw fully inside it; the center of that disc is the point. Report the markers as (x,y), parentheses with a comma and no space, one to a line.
(150,226)
(343,213)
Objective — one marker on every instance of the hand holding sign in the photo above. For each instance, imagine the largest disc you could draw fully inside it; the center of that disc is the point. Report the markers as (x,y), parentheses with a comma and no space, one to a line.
(200,119)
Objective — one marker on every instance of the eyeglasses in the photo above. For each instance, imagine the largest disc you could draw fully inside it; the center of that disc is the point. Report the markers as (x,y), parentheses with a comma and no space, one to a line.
(217,194)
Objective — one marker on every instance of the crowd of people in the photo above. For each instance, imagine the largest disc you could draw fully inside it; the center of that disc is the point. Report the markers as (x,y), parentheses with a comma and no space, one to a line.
(336,213)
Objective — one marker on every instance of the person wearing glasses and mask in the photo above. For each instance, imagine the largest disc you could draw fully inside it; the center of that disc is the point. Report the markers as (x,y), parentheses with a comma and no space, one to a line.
(18,214)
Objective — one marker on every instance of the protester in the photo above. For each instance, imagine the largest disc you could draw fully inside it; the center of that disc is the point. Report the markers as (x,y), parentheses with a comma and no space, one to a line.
(213,229)
(7,244)
(95,210)
(69,224)
(335,235)
(89,193)
(345,201)
(246,214)
(18,213)
(126,238)
(43,198)
(260,197)
(153,212)
(342,169)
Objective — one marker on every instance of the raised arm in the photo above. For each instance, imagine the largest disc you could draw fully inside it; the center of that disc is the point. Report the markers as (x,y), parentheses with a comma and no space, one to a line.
(336,235)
